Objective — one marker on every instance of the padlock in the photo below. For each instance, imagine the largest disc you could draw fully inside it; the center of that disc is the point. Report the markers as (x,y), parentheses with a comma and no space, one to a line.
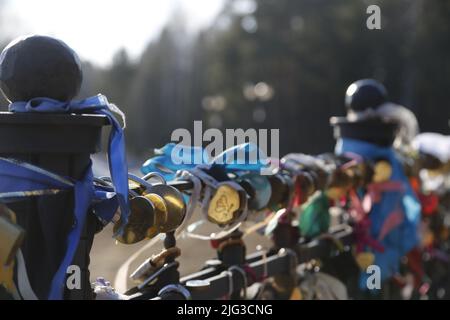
(364,260)
(152,264)
(382,171)
(362,174)
(223,201)
(141,219)
(281,190)
(296,294)
(259,189)
(297,163)
(11,236)
(336,193)
(161,215)
(174,205)
(154,209)
(224,205)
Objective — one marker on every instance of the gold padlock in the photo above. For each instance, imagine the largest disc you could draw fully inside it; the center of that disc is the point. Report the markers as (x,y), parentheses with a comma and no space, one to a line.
(364,260)
(382,171)
(296,294)
(173,206)
(336,193)
(223,205)
(11,236)
(161,215)
(161,209)
(142,217)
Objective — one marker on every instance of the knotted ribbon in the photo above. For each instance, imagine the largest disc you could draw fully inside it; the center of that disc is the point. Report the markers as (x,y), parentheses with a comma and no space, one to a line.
(20,179)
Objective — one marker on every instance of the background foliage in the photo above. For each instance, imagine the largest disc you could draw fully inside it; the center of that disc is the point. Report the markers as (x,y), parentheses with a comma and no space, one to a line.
(306,51)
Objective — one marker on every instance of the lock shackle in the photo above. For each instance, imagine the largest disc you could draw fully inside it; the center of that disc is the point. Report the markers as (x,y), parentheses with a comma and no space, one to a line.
(107,182)
(143,181)
(140,181)
(155,175)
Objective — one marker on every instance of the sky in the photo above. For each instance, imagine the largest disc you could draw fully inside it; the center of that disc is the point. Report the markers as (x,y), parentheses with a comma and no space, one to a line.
(96,29)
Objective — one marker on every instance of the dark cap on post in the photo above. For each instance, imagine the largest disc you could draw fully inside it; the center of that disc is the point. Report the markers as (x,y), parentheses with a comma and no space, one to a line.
(43,67)
(364,94)
(39,66)
(362,99)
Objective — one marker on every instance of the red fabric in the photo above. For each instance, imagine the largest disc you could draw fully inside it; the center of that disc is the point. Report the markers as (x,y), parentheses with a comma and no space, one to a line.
(298,198)
(363,237)
(249,271)
(393,220)
(375,192)
(415,184)
(357,210)
(415,265)
(429,203)
(362,227)
(215,243)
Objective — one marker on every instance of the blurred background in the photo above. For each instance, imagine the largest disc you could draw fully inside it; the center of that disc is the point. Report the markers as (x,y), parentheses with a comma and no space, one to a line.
(247,63)
(241,64)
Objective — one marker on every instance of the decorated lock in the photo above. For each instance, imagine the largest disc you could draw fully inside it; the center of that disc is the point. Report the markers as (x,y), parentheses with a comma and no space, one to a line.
(224,205)
(382,171)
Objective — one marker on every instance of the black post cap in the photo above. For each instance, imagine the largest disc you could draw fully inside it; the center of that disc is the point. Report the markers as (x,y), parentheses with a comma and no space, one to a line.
(364,94)
(39,66)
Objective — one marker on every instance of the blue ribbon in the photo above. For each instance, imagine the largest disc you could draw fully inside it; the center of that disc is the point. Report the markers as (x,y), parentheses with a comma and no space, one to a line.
(172,157)
(23,178)
(404,237)
(242,157)
(116,147)
(20,180)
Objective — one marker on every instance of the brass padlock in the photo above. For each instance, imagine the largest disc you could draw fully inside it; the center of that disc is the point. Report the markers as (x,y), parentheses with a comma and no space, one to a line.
(141,219)
(11,236)
(174,208)
(382,171)
(224,205)
(154,209)
(161,215)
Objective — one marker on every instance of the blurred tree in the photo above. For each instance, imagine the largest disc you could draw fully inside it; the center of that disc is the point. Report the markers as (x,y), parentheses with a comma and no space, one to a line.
(432,60)
(303,52)
(310,51)
(306,51)
(160,94)
(116,80)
